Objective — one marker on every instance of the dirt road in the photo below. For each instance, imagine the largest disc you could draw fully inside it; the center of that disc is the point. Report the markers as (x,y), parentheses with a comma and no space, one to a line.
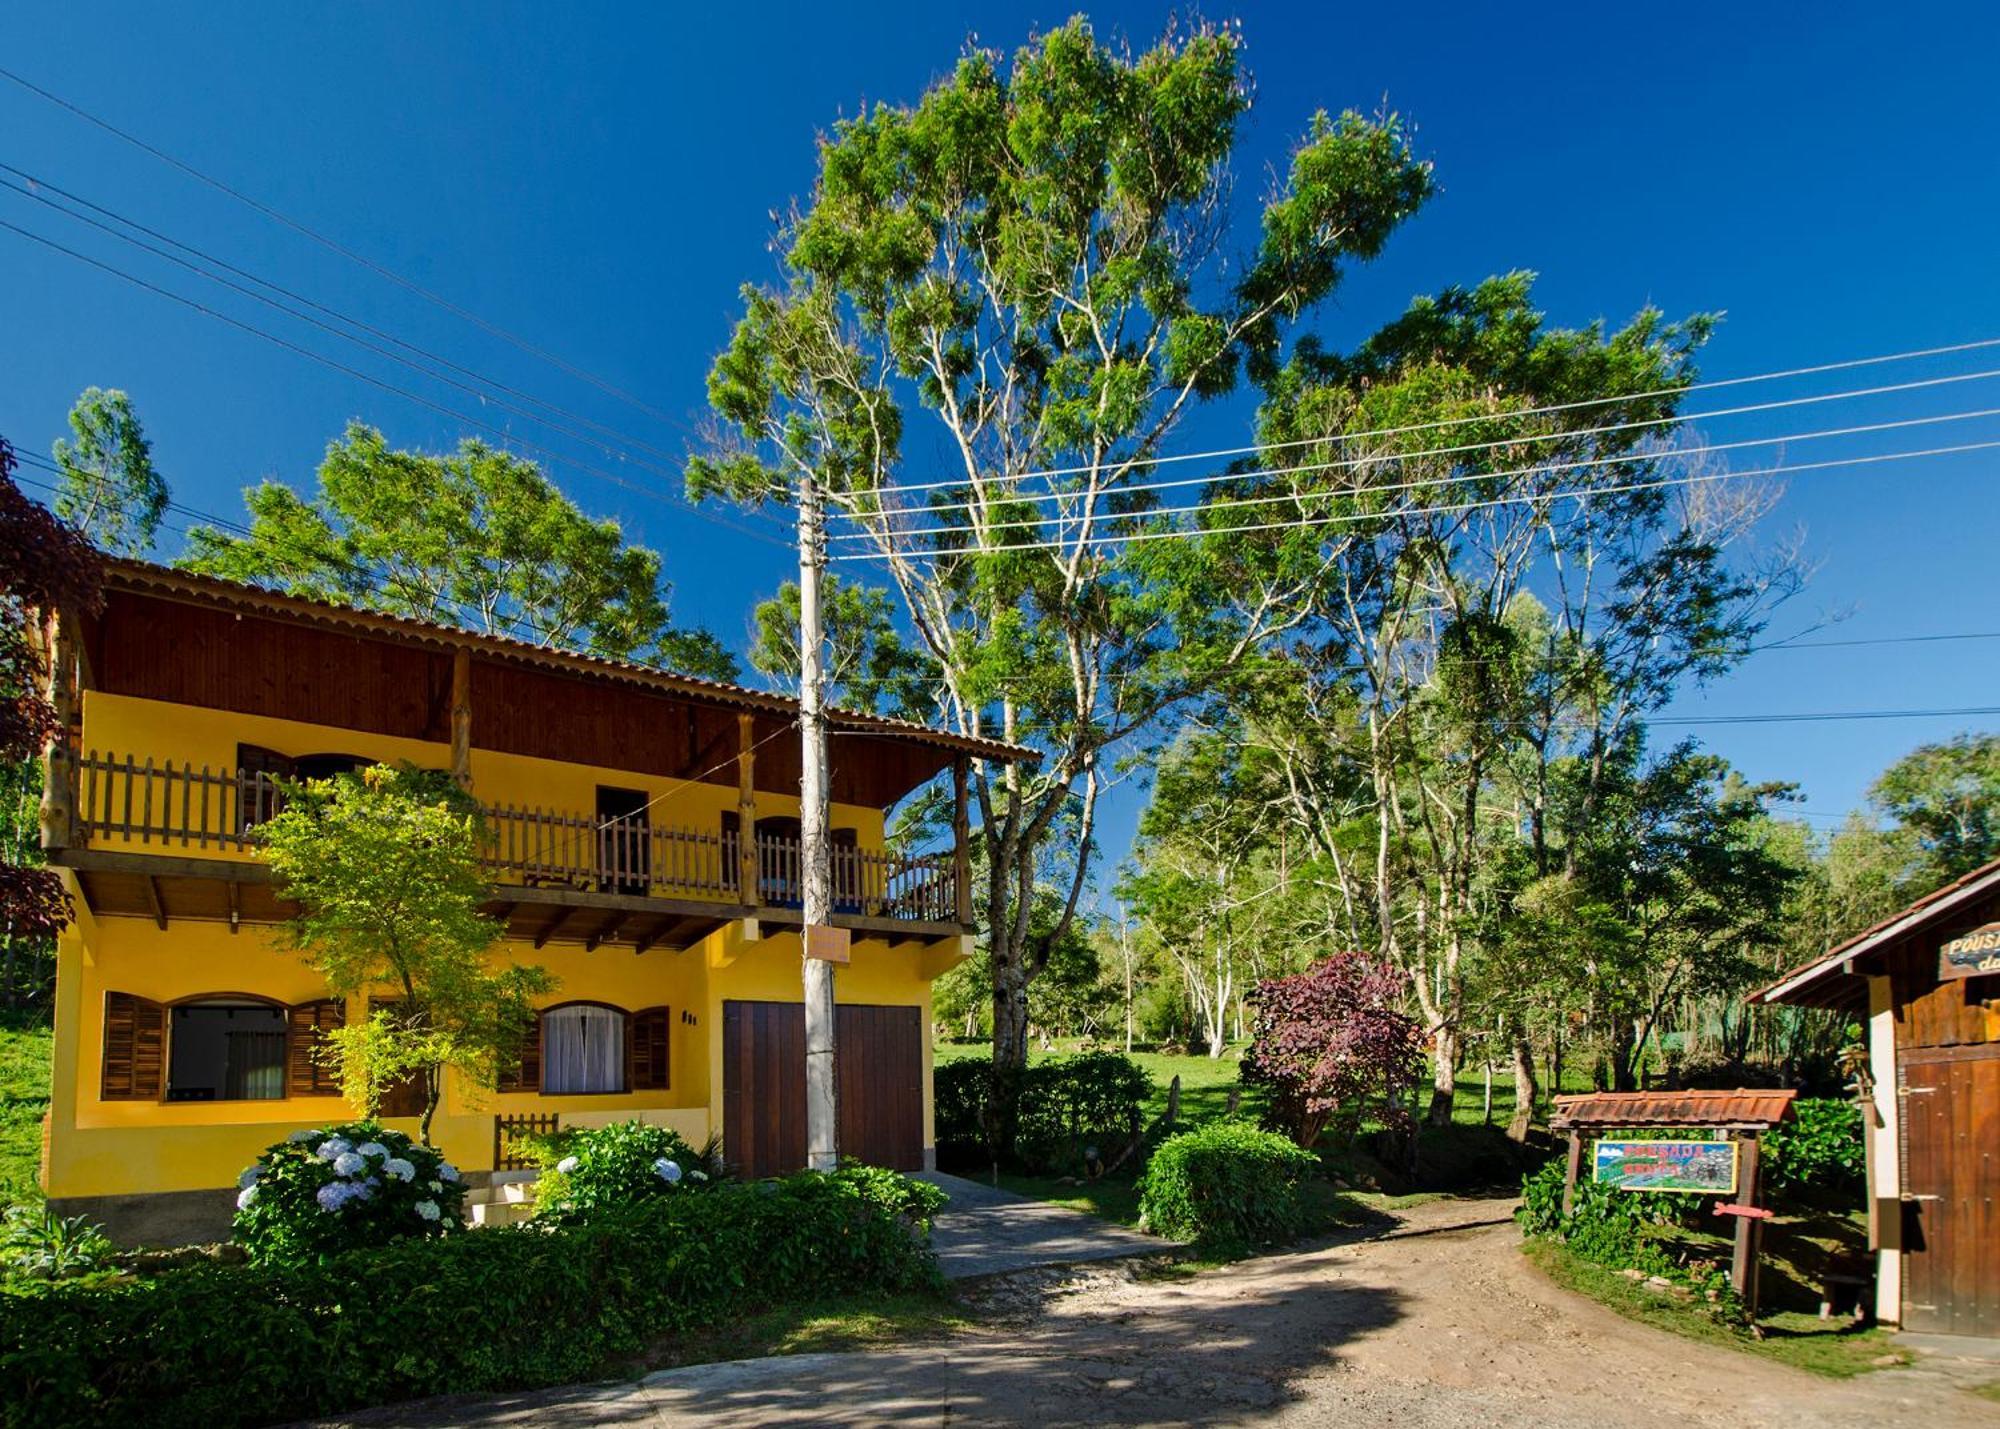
(1440,1322)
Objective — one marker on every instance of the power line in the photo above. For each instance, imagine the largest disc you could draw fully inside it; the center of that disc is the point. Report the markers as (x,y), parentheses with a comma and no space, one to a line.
(338,366)
(1463,478)
(1960,713)
(36,182)
(1580,494)
(1446,422)
(335,246)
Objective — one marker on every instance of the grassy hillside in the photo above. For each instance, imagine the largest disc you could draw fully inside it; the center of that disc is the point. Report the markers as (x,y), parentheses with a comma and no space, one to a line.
(24,1096)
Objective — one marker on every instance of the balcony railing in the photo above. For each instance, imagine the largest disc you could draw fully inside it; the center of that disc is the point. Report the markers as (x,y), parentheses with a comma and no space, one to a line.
(132,801)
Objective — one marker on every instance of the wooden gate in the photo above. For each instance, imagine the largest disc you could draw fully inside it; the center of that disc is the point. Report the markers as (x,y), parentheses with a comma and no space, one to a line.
(1951,1185)
(879,1066)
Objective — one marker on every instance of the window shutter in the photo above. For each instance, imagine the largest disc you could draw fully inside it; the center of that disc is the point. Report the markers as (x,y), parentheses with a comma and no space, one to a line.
(308,1024)
(135,1048)
(646,1051)
(526,1075)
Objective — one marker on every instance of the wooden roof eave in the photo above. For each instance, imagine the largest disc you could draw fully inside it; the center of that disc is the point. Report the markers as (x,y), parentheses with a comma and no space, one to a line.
(160,582)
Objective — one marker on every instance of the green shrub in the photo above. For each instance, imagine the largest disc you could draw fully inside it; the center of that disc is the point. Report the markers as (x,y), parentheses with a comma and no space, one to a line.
(1063,1107)
(1227,1186)
(319,1193)
(585,1172)
(1819,1151)
(38,1242)
(508,1308)
(1605,1226)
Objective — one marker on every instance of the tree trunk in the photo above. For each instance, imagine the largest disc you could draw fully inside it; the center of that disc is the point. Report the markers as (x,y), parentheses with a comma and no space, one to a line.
(1624,1056)
(1444,1076)
(1010,1009)
(1525,1090)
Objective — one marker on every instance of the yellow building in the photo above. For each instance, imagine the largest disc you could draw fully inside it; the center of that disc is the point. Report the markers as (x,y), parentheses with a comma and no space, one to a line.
(643,845)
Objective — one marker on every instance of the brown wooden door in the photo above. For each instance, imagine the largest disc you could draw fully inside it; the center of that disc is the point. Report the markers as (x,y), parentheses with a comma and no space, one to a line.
(1951,1177)
(879,1066)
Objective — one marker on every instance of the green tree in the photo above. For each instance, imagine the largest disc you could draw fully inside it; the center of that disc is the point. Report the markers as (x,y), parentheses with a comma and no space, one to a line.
(476,537)
(871,667)
(108,488)
(1944,800)
(1031,266)
(385,869)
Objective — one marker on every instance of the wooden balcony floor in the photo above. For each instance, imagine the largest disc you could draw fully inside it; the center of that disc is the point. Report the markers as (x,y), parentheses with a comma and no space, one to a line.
(167,888)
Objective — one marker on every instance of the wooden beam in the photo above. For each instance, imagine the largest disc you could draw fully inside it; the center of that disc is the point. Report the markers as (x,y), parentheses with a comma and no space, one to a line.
(605,932)
(1749,1231)
(1570,1169)
(155,902)
(961,843)
(549,929)
(59,769)
(461,717)
(746,810)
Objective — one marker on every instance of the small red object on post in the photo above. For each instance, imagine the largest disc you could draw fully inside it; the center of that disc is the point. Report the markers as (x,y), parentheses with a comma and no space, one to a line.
(1756,1213)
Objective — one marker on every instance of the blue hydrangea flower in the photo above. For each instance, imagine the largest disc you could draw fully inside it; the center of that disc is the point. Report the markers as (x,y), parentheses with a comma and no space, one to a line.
(245,1197)
(399,1168)
(428,1210)
(566,1165)
(372,1148)
(448,1171)
(334,1146)
(303,1134)
(670,1171)
(366,1189)
(249,1177)
(333,1195)
(349,1163)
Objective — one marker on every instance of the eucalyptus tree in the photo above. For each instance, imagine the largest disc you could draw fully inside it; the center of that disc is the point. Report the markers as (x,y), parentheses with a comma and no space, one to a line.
(475,537)
(1508,577)
(1026,279)
(107,486)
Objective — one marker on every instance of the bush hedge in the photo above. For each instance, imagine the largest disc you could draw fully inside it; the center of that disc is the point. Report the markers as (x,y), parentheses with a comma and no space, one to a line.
(1064,1106)
(1819,1152)
(508,1308)
(587,1171)
(1227,1187)
(318,1193)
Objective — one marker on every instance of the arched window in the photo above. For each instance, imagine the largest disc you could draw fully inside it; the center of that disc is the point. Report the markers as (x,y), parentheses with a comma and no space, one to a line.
(225,1049)
(583,1049)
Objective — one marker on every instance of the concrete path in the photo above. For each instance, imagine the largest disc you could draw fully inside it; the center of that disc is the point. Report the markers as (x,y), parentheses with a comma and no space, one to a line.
(986,1231)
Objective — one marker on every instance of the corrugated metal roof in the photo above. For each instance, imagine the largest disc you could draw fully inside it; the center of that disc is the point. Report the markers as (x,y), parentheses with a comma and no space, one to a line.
(1803,985)
(1701,1108)
(150,578)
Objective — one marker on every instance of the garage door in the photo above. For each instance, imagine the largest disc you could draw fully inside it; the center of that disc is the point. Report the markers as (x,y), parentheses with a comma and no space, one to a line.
(1951,1175)
(878,1067)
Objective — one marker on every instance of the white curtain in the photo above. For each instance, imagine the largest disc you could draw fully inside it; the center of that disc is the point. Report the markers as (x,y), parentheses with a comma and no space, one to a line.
(583,1050)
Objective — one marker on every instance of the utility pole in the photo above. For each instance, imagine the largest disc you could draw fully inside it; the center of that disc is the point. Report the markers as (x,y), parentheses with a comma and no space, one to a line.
(819,942)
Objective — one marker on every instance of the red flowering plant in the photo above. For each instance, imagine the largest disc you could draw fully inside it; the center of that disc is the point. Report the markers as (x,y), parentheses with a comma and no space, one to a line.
(46,567)
(1332,1041)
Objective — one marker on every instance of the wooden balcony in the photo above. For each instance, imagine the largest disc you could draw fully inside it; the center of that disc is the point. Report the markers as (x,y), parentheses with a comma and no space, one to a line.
(161,840)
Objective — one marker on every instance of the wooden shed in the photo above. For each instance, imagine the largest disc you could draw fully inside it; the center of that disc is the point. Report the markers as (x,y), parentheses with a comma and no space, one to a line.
(1927,983)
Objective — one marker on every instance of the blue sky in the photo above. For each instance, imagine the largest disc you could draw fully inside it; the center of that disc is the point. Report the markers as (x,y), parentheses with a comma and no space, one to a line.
(601,179)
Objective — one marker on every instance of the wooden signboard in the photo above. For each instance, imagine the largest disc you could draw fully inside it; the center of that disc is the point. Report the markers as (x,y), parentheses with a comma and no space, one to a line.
(1705,1168)
(829,945)
(1974,954)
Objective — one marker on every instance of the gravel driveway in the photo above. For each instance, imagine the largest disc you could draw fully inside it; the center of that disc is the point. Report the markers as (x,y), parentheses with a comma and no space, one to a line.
(1438,1322)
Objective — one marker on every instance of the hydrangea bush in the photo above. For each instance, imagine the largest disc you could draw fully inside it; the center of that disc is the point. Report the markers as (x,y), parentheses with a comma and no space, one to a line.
(626,1163)
(317,1193)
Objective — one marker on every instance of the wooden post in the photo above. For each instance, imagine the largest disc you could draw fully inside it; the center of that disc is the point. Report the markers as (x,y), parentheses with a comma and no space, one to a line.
(461,717)
(815,838)
(961,845)
(1743,1263)
(746,810)
(59,770)
(1570,1169)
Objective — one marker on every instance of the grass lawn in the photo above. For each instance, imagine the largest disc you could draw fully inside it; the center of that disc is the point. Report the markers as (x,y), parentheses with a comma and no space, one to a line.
(24,1097)
(1988,1391)
(866,1321)
(1801,1339)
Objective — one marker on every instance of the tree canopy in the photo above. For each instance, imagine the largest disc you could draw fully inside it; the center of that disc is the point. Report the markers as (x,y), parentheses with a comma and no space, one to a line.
(107,486)
(474,537)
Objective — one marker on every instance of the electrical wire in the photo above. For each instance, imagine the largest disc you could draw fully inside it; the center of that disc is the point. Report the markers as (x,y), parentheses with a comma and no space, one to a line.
(1581,494)
(335,246)
(1462,478)
(548,454)
(1847,364)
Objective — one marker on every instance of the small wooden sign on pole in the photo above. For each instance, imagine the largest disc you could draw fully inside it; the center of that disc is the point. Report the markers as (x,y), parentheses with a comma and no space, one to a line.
(829,945)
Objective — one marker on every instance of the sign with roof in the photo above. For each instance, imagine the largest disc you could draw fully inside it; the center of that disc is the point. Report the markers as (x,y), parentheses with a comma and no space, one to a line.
(1706,1168)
